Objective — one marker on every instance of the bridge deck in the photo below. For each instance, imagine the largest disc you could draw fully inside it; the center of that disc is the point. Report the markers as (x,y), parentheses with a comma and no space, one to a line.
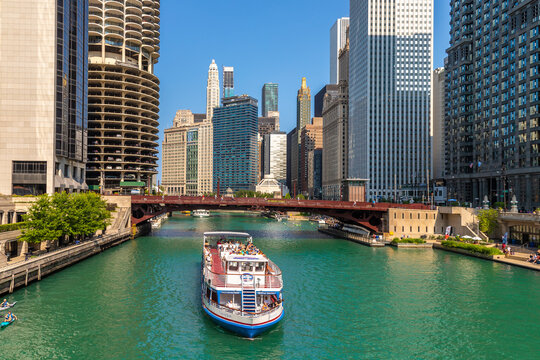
(367,215)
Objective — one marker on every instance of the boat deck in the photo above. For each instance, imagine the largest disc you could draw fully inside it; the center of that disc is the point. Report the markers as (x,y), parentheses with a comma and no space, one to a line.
(217,265)
(219,277)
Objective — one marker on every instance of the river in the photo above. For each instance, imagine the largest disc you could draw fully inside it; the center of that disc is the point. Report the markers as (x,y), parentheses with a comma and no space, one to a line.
(141,300)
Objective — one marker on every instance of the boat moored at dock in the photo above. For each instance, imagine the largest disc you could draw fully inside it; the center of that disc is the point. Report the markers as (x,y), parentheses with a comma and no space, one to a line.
(241,288)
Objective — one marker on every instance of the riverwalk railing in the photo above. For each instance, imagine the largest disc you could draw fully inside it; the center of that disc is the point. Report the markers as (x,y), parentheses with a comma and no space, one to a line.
(34,268)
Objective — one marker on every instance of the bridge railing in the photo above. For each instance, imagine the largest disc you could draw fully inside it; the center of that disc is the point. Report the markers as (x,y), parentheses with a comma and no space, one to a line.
(329,204)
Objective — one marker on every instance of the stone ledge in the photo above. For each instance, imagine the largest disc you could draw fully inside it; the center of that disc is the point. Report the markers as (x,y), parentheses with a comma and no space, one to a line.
(412,246)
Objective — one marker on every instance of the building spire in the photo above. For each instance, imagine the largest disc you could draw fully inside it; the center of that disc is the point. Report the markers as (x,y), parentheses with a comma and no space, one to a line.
(304,84)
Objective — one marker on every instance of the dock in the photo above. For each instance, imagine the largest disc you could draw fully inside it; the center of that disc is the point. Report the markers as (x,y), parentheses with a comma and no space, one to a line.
(364,240)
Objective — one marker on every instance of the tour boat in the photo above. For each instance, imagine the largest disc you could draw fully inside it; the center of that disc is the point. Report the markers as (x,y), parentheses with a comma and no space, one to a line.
(200,213)
(241,289)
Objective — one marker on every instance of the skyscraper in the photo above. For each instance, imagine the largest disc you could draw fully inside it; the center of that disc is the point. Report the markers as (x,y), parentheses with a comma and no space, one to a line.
(337,43)
(389,72)
(174,154)
(335,140)
(269,98)
(331,89)
(212,90)
(235,144)
(123,95)
(187,156)
(292,161)
(268,125)
(335,113)
(492,103)
(43,92)
(303,107)
(228,81)
(437,120)
(311,139)
(275,155)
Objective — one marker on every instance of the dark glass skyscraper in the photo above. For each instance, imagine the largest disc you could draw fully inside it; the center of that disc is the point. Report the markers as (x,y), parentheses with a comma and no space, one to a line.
(71,79)
(492,102)
(228,81)
(235,144)
(269,98)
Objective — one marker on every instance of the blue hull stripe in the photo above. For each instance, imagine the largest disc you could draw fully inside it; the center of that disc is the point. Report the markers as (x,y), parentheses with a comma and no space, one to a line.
(249,331)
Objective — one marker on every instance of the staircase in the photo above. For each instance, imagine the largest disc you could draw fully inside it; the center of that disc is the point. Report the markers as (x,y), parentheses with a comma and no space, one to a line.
(248,300)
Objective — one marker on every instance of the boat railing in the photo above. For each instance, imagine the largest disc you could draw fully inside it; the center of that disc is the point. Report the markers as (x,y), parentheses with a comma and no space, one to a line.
(245,313)
(264,281)
(273,269)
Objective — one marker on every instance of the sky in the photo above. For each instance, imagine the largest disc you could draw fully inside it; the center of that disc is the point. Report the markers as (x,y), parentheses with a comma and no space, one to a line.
(265,41)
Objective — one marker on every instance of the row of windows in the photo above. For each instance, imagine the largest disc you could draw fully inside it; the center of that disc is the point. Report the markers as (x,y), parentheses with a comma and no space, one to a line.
(29,167)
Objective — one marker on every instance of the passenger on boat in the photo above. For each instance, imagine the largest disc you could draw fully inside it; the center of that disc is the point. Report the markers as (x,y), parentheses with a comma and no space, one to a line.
(4,303)
(10,317)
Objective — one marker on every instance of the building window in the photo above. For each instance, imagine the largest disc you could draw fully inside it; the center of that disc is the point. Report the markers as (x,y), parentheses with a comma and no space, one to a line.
(29,167)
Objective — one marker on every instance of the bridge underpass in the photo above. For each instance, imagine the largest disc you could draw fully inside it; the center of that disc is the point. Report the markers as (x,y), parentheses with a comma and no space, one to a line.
(367,215)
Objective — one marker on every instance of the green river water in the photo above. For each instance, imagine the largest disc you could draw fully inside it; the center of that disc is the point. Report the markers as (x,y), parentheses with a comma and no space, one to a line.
(141,300)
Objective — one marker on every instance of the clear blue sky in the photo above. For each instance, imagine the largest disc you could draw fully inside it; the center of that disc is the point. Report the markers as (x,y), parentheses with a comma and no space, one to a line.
(266,41)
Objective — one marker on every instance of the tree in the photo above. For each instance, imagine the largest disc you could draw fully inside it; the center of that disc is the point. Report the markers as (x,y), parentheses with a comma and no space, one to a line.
(488,220)
(91,214)
(41,222)
(73,215)
(288,196)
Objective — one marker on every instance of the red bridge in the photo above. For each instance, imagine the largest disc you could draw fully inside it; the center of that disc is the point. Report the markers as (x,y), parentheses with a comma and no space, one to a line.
(368,215)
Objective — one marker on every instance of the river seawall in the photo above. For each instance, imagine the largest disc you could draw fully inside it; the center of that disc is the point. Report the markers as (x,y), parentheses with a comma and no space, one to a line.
(23,273)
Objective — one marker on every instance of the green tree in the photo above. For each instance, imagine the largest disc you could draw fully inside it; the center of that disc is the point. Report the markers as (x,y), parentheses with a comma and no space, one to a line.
(60,215)
(91,214)
(288,196)
(301,197)
(488,220)
(41,222)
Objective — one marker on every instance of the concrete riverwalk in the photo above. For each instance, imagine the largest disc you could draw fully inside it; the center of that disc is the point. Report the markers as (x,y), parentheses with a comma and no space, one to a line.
(22,273)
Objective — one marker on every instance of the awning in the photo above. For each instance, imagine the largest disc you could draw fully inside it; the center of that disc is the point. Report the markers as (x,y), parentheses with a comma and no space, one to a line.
(133,183)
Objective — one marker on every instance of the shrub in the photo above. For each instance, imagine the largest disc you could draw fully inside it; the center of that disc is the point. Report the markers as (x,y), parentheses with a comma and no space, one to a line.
(11,227)
(477,249)
(408,241)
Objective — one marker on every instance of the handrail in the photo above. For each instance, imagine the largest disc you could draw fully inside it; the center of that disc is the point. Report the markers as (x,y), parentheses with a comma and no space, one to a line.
(224,280)
(241,312)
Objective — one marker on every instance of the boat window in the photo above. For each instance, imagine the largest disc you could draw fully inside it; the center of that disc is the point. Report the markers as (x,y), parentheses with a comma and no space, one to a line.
(259,267)
(246,266)
(233,266)
(208,292)
(214,296)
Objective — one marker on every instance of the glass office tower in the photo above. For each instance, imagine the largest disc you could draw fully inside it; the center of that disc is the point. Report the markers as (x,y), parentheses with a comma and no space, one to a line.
(235,144)
(228,81)
(269,98)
